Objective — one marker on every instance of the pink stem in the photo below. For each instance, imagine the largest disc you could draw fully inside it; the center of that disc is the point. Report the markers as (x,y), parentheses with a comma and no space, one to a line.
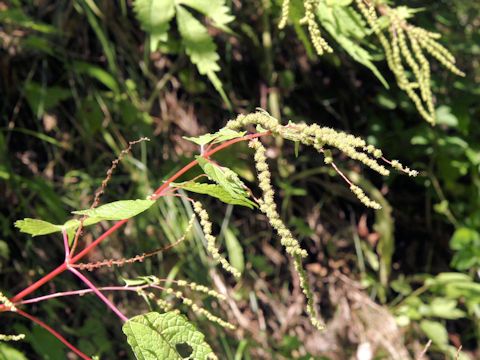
(65,244)
(98,293)
(54,333)
(82,292)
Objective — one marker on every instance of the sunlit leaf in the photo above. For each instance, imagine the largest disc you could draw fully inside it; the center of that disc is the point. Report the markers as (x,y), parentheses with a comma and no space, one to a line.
(117,210)
(170,336)
(216,191)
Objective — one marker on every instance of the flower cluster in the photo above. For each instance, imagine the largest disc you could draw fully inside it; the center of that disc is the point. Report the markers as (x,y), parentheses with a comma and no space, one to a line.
(11,307)
(292,246)
(211,247)
(172,294)
(19,337)
(406,46)
(323,139)
(319,43)
(6,301)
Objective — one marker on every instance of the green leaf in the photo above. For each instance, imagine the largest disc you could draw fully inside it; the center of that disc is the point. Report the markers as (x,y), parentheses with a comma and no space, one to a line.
(435,331)
(36,227)
(445,309)
(155,336)
(117,210)
(347,28)
(224,177)
(154,17)
(220,136)
(200,47)
(41,98)
(216,10)
(215,191)
(464,237)
(235,250)
(9,353)
(98,73)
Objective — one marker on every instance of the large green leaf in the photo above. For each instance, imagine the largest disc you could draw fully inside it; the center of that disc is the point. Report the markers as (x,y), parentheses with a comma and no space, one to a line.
(216,191)
(117,210)
(154,17)
(216,10)
(154,336)
(200,47)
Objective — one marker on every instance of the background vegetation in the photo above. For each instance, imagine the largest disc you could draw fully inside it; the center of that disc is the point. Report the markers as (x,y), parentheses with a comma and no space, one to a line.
(80,78)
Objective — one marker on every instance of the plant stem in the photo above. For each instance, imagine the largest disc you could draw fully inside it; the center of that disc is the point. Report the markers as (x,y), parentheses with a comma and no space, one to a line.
(158,193)
(54,333)
(80,292)
(98,293)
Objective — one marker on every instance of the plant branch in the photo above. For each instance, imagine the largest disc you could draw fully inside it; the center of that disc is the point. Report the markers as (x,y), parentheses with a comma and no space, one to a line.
(98,293)
(54,333)
(158,193)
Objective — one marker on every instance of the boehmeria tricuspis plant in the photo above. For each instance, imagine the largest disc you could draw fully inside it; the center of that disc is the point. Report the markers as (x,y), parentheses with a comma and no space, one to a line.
(168,329)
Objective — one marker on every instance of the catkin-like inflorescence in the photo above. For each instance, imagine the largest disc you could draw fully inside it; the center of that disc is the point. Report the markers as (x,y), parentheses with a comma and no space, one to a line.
(267,202)
(6,301)
(319,43)
(18,337)
(322,139)
(398,50)
(202,311)
(285,13)
(201,289)
(292,246)
(211,247)
(11,307)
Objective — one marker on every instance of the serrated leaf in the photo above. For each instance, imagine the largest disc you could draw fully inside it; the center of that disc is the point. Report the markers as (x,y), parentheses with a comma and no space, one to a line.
(216,10)
(154,17)
(224,177)
(155,336)
(117,210)
(220,136)
(200,47)
(36,227)
(215,191)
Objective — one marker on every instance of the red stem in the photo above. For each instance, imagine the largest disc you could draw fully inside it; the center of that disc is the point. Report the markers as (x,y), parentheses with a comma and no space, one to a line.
(54,333)
(60,269)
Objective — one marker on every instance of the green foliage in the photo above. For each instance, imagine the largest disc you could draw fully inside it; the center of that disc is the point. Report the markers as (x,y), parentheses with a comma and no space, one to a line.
(223,134)
(224,177)
(9,353)
(216,191)
(155,17)
(117,210)
(348,29)
(155,336)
